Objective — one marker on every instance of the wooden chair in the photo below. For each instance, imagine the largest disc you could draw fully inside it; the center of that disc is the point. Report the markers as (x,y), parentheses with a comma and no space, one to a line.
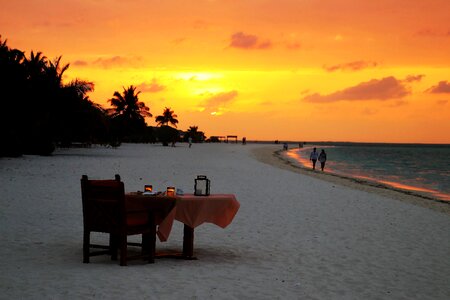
(105,210)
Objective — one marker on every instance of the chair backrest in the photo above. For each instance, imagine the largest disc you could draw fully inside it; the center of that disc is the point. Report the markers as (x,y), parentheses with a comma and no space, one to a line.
(103,204)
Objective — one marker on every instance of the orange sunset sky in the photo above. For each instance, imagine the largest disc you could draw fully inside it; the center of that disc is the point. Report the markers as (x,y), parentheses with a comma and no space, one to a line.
(300,70)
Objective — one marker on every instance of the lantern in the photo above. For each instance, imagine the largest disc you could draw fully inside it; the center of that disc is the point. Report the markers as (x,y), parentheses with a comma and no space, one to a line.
(170,191)
(148,188)
(201,187)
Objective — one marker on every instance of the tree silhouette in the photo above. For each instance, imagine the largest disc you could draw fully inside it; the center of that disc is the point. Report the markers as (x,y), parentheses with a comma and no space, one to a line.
(35,65)
(195,134)
(193,130)
(57,113)
(167,117)
(12,100)
(128,105)
(128,113)
(39,110)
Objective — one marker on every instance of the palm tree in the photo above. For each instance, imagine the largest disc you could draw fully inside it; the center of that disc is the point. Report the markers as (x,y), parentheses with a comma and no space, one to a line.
(35,65)
(128,113)
(9,54)
(57,108)
(193,130)
(167,117)
(54,72)
(80,87)
(39,110)
(12,101)
(195,134)
(128,105)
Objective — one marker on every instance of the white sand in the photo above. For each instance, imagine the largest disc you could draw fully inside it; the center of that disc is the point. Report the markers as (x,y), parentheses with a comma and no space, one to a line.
(294,237)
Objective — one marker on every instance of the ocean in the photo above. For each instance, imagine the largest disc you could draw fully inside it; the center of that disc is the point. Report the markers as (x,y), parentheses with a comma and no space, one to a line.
(413,167)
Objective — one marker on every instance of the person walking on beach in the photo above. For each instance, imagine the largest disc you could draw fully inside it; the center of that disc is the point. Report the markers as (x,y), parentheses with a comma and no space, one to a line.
(190,142)
(322,159)
(313,157)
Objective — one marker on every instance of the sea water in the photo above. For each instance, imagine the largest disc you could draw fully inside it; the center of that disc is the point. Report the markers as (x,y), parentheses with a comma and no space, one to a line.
(413,167)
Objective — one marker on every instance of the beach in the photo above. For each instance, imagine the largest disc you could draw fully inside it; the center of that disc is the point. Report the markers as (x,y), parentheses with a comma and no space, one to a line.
(297,234)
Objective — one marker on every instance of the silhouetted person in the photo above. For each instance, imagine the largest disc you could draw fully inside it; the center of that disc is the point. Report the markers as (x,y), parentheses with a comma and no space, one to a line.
(322,159)
(285,146)
(190,142)
(313,157)
(244,140)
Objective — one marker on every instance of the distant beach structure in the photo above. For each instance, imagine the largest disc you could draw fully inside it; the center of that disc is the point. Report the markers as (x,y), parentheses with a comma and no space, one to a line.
(232,137)
(224,138)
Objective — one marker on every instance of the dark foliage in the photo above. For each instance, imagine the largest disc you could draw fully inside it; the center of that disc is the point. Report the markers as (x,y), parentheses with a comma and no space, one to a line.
(196,135)
(167,117)
(128,115)
(167,134)
(39,111)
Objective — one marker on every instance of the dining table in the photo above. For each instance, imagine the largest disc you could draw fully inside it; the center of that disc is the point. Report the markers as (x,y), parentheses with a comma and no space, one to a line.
(192,211)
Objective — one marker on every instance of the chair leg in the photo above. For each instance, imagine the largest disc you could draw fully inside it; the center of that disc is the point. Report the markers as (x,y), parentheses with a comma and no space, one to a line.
(123,249)
(86,244)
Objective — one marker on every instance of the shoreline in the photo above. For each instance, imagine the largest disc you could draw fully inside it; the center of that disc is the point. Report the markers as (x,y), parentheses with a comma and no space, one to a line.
(274,156)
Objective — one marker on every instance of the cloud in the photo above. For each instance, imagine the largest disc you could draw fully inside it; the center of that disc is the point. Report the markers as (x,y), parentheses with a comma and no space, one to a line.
(411,78)
(110,62)
(115,61)
(304,92)
(221,99)
(178,41)
(293,46)
(443,87)
(267,103)
(215,104)
(153,87)
(369,112)
(398,103)
(375,89)
(201,24)
(248,41)
(80,63)
(352,66)
(427,32)
(55,24)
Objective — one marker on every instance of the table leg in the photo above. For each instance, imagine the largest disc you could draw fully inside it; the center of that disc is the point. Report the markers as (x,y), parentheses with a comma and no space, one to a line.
(149,239)
(188,242)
